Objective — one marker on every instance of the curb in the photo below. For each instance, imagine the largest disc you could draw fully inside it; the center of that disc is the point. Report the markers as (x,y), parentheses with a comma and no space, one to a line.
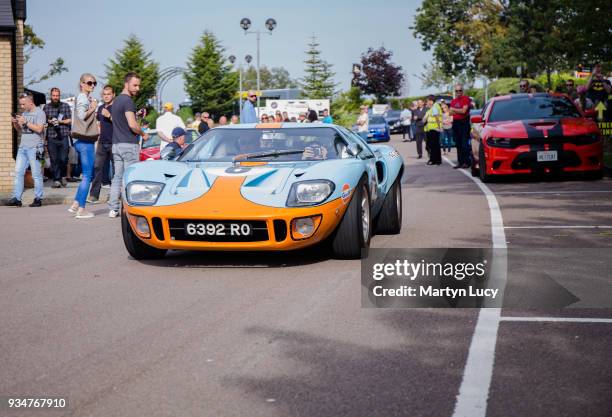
(48,200)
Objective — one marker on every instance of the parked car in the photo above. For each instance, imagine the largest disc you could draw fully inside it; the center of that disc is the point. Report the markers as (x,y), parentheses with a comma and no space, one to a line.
(392,117)
(378,129)
(257,187)
(149,149)
(534,134)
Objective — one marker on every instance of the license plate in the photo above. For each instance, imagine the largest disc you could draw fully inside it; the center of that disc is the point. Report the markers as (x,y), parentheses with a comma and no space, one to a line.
(218,229)
(370,135)
(546,156)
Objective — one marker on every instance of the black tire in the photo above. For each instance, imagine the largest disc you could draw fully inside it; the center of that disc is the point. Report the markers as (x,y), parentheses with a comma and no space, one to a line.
(474,170)
(349,240)
(482,164)
(136,247)
(594,175)
(389,221)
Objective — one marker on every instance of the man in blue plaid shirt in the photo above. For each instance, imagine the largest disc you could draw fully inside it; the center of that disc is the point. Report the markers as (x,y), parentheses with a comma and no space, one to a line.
(59,120)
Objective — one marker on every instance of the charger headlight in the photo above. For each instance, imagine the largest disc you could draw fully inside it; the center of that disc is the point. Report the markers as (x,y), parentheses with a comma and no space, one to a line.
(309,193)
(143,193)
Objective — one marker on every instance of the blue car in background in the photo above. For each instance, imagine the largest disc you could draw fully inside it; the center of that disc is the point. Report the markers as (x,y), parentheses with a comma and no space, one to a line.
(379,129)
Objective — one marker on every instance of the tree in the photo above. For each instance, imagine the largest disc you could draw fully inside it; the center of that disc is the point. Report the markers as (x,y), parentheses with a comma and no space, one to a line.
(276,77)
(318,81)
(31,43)
(493,37)
(210,83)
(435,25)
(133,58)
(379,76)
(434,76)
(588,31)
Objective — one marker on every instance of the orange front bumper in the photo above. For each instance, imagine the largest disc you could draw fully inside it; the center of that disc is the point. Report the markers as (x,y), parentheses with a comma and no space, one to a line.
(224,202)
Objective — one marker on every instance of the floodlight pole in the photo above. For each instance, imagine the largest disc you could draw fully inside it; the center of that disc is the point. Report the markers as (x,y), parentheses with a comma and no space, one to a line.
(270,24)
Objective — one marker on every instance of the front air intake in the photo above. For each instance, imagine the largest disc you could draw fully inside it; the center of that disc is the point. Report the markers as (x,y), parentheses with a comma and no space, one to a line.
(280,230)
(158,228)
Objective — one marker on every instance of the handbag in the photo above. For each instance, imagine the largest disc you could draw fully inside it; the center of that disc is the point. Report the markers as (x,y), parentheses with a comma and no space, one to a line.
(86,129)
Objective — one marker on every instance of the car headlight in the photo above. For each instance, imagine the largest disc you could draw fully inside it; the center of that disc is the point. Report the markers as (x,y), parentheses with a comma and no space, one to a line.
(143,193)
(309,193)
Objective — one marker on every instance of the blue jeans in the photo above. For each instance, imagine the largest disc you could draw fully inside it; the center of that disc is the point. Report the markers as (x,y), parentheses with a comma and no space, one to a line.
(447,138)
(124,155)
(86,153)
(25,157)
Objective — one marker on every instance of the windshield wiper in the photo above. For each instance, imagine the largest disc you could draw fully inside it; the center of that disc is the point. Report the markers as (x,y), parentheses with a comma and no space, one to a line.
(256,155)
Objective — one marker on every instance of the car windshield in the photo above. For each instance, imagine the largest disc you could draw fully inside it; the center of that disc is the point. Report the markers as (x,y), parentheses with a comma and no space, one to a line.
(377,120)
(286,144)
(392,114)
(534,107)
(154,139)
(190,136)
(152,142)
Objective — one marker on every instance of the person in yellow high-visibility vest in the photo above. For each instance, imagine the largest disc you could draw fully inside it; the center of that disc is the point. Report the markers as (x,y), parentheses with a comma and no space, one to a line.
(433,127)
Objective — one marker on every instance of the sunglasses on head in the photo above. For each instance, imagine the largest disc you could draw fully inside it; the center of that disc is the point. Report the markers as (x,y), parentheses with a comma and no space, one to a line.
(90,83)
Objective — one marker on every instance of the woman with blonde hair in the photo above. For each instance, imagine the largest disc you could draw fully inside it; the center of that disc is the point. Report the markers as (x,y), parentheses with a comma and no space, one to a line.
(85,131)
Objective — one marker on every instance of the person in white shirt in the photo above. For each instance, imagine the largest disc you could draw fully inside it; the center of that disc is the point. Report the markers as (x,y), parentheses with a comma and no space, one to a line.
(165,124)
(363,122)
(405,117)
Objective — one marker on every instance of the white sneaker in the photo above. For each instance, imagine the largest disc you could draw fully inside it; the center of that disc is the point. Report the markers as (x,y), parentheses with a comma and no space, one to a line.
(82,214)
(113,213)
(72,209)
(106,186)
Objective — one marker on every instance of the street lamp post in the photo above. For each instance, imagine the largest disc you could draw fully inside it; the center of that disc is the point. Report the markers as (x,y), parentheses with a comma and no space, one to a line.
(232,59)
(245,24)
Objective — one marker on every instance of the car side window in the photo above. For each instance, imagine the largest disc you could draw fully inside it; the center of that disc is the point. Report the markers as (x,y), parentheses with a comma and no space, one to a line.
(485,110)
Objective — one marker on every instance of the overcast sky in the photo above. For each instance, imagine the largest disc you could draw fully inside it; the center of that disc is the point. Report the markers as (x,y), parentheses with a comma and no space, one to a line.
(87,33)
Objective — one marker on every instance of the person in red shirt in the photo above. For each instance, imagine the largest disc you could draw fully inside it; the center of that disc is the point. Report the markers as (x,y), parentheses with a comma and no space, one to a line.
(460,110)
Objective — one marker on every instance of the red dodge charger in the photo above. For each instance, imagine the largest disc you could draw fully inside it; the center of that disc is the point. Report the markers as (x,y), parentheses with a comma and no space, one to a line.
(534,134)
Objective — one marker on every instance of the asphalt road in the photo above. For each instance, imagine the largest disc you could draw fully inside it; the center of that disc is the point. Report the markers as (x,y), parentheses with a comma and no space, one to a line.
(283,334)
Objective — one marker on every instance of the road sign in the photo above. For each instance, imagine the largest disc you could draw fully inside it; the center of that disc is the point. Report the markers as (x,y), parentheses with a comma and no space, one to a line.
(601,108)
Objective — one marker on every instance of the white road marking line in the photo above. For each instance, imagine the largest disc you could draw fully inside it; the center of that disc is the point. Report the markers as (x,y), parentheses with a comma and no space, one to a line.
(558,227)
(553,192)
(558,319)
(474,389)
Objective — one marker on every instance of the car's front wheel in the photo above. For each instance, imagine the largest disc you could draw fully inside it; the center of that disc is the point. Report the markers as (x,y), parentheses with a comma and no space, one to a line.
(352,238)
(136,247)
(482,165)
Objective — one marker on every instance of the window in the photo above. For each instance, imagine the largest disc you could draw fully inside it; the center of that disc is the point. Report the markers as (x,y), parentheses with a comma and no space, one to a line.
(534,107)
(274,145)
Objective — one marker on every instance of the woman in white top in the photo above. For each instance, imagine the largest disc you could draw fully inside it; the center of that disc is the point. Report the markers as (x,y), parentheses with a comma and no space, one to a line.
(447,126)
(84,109)
(363,123)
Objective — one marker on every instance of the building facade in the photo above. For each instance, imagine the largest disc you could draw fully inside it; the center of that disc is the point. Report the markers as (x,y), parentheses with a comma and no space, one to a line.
(12,18)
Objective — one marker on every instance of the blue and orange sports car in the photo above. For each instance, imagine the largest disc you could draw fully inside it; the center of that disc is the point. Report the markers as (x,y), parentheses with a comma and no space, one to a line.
(264,187)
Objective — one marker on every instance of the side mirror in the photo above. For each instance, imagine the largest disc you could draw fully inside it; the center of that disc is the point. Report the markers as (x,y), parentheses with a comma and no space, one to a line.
(354,149)
(590,113)
(168,153)
(476,119)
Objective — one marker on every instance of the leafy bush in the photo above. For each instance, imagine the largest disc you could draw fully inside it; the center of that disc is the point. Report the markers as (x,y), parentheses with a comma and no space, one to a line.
(152,118)
(185,113)
(503,86)
(558,80)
